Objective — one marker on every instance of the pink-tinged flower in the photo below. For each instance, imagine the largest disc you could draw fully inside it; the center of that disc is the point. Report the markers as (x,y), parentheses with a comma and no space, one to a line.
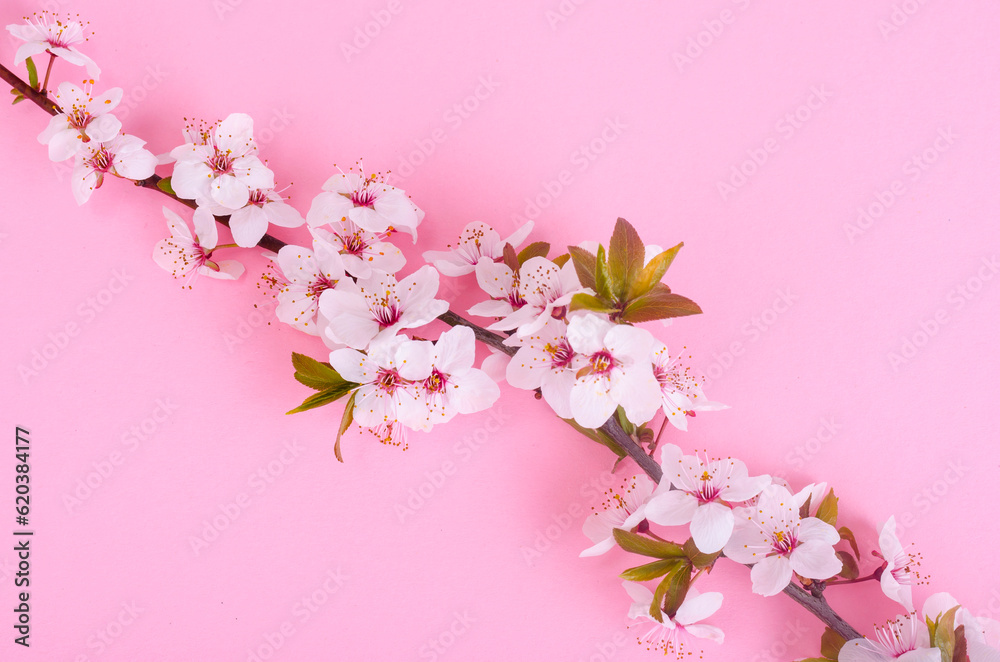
(44,31)
(220,163)
(546,288)
(385,402)
(477,242)
(443,374)
(83,119)
(378,307)
(545,360)
(773,537)
(675,635)
(361,250)
(264,208)
(904,638)
(504,287)
(367,200)
(123,156)
(896,579)
(621,510)
(184,254)
(616,372)
(703,494)
(680,393)
(307,274)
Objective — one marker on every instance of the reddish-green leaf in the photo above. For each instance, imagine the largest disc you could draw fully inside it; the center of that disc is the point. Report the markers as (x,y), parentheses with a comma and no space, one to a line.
(673,589)
(698,558)
(652,570)
(804,508)
(828,509)
(626,255)
(585,264)
(561,260)
(850,569)
(637,544)
(324,397)
(164,185)
(604,281)
(961,645)
(830,644)
(315,374)
(345,422)
(584,301)
(510,258)
(652,272)
(848,535)
(658,304)
(944,635)
(536,249)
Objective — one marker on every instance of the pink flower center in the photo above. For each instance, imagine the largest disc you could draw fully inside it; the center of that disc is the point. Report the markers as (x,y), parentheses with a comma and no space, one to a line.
(101,161)
(364,197)
(354,244)
(561,354)
(783,542)
(386,310)
(389,380)
(436,383)
(319,285)
(602,363)
(258,197)
(221,163)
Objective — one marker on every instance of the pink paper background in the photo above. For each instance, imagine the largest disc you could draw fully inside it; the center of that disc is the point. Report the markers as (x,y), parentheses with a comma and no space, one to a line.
(912,437)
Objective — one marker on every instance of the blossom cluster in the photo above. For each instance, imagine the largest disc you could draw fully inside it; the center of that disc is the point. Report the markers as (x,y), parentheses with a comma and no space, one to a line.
(753,520)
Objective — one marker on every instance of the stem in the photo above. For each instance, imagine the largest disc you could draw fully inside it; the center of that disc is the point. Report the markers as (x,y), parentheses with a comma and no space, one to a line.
(857,580)
(817,606)
(48,72)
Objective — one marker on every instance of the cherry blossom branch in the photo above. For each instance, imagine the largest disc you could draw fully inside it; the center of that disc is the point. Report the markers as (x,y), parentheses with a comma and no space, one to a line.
(815,604)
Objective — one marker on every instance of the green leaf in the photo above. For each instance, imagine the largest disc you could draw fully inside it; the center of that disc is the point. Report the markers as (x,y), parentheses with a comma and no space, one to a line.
(626,255)
(536,249)
(828,509)
(637,544)
(345,422)
(658,304)
(32,73)
(598,436)
(561,260)
(848,535)
(626,424)
(510,258)
(164,185)
(603,280)
(698,558)
(584,301)
(850,569)
(944,634)
(585,264)
(315,374)
(324,397)
(830,644)
(18,99)
(652,272)
(652,570)
(674,588)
